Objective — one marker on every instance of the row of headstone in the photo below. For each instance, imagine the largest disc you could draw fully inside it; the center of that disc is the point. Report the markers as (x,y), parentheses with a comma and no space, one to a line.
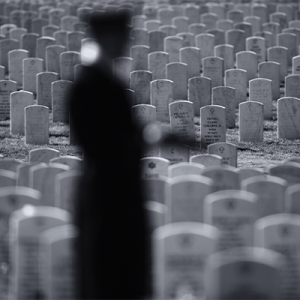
(270,192)
(41,255)
(187,261)
(33,120)
(40,248)
(160,66)
(238,204)
(41,252)
(214,119)
(240,90)
(184,192)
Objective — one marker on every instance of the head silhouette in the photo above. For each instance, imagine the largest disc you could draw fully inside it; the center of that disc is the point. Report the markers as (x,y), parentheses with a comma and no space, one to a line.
(111,30)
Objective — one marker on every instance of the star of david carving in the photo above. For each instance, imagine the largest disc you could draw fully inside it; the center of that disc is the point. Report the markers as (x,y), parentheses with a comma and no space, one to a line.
(221,149)
(152,165)
(180,106)
(212,110)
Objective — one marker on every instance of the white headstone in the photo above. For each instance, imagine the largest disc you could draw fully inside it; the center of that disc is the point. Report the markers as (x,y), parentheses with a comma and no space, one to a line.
(212,125)
(270,191)
(184,198)
(199,93)
(161,96)
(180,251)
(182,120)
(18,101)
(251,121)
(36,124)
(288,118)
(227,151)
(234,214)
(26,225)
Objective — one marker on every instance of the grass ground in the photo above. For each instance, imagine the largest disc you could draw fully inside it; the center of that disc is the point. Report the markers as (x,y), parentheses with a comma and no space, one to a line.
(254,155)
(14,146)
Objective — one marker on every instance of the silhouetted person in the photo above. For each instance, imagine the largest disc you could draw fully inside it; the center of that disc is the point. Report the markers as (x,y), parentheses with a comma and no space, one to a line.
(112,245)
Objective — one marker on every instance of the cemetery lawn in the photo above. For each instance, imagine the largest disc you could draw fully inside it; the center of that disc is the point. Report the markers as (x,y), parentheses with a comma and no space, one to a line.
(254,155)
(14,147)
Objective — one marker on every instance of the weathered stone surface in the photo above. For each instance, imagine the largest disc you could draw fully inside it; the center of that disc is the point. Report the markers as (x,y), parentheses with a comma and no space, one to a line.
(213,125)
(260,90)
(182,120)
(213,68)
(288,118)
(251,121)
(227,151)
(18,101)
(161,96)
(177,72)
(237,78)
(199,93)
(270,70)
(6,88)
(60,108)
(37,124)
(225,96)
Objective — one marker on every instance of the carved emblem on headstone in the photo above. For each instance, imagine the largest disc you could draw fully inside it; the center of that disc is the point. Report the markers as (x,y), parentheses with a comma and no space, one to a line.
(235,73)
(259,83)
(185,241)
(5,84)
(285,231)
(212,61)
(255,41)
(212,110)
(180,106)
(161,84)
(231,205)
(221,149)
(143,109)
(32,62)
(152,165)
(199,81)
(62,85)
(296,79)
(13,200)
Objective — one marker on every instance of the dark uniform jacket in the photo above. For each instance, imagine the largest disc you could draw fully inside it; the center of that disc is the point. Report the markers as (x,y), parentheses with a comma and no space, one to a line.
(112,245)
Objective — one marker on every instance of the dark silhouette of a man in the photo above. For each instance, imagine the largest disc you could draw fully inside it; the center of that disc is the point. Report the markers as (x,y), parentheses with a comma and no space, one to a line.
(112,244)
